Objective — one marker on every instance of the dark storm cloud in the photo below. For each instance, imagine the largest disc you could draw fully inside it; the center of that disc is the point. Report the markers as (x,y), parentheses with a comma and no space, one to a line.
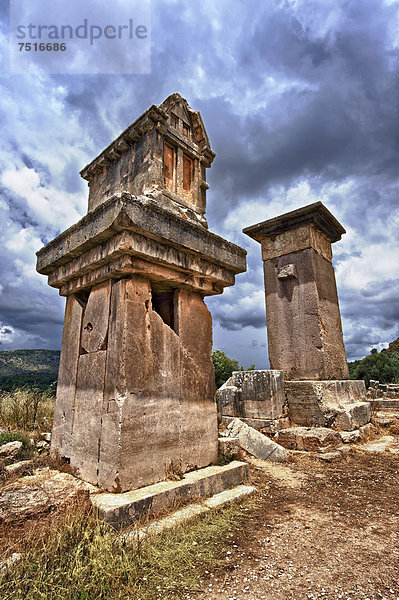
(290,92)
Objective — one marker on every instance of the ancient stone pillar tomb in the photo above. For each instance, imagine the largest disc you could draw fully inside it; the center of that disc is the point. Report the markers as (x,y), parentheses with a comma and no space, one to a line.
(303,319)
(135,393)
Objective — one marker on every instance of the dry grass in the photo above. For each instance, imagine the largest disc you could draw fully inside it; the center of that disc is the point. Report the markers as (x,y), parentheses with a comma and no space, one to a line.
(77,557)
(26,410)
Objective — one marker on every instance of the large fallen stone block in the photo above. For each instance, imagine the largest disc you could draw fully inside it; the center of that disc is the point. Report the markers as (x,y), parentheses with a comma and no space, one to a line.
(256,443)
(309,438)
(40,493)
(10,449)
(330,403)
(268,425)
(253,395)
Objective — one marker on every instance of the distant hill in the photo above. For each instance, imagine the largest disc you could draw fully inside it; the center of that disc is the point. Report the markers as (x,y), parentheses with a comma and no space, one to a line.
(37,368)
(393,347)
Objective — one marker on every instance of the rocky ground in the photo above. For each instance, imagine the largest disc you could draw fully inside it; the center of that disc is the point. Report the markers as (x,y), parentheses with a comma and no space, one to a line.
(318,530)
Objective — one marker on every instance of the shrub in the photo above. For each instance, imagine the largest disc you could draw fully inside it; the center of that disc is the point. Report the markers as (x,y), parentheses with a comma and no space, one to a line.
(381,366)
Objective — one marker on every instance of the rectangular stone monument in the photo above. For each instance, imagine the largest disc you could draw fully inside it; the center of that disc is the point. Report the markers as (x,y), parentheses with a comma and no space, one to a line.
(135,395)
(303,319)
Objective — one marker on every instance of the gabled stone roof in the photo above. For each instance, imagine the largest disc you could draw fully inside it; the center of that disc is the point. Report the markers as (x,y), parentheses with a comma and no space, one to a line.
(154,116)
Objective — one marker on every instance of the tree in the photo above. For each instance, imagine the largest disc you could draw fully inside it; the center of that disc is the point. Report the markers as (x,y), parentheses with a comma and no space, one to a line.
(381,366)
(224,367)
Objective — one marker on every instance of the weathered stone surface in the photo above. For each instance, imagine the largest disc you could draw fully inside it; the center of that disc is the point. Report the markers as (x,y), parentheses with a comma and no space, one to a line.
(293,240)
(383,391)
(95,320)
(339,404)
(120,509)
(86,434)
(330,456)
(186,514)
(213,255)
(350,437)
(384,403)
(253,395)
(308,438)
(303,320)
(38,493)
(10,449)
(256,443)
(18,467)
(67,375)
(382,444)
(229,447)
(159,389)
(142,160)
(268,425)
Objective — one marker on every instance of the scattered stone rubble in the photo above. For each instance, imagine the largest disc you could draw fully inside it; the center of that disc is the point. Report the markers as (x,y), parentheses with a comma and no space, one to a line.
(382,390)
(256,443)
(39,493)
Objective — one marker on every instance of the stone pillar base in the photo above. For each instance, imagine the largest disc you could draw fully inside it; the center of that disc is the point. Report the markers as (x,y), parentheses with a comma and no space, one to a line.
(256,397)
(333,403)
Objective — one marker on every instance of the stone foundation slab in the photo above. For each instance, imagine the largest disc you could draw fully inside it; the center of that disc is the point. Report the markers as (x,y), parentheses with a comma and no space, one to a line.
(122,509)
(331,403)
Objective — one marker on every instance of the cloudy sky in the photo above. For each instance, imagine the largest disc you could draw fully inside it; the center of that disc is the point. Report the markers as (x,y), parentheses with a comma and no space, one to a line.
(300,99)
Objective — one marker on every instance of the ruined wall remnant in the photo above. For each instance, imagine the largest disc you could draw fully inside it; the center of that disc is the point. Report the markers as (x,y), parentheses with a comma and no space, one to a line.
(136,382)
(255,397)
(303,319)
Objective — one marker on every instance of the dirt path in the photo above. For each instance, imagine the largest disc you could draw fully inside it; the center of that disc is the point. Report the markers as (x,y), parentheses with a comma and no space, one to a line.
(318,530)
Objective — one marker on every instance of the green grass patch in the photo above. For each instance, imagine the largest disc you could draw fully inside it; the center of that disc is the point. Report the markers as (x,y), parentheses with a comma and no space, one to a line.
(80,558)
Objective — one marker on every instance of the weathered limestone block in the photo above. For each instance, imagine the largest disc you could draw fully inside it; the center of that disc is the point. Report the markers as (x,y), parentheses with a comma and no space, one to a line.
(229,447)
(10,449)
(340,404)
(350,437)
(253,395)
(303,319)
(158,390)
(264,425)
(310,439)
(127,507)
(39,493)
(96,315)
(67,375)
(86,433)
(255,442)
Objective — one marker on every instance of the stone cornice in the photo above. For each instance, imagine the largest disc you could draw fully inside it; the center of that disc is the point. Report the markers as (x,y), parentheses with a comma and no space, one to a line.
(151,233)
(315,214)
